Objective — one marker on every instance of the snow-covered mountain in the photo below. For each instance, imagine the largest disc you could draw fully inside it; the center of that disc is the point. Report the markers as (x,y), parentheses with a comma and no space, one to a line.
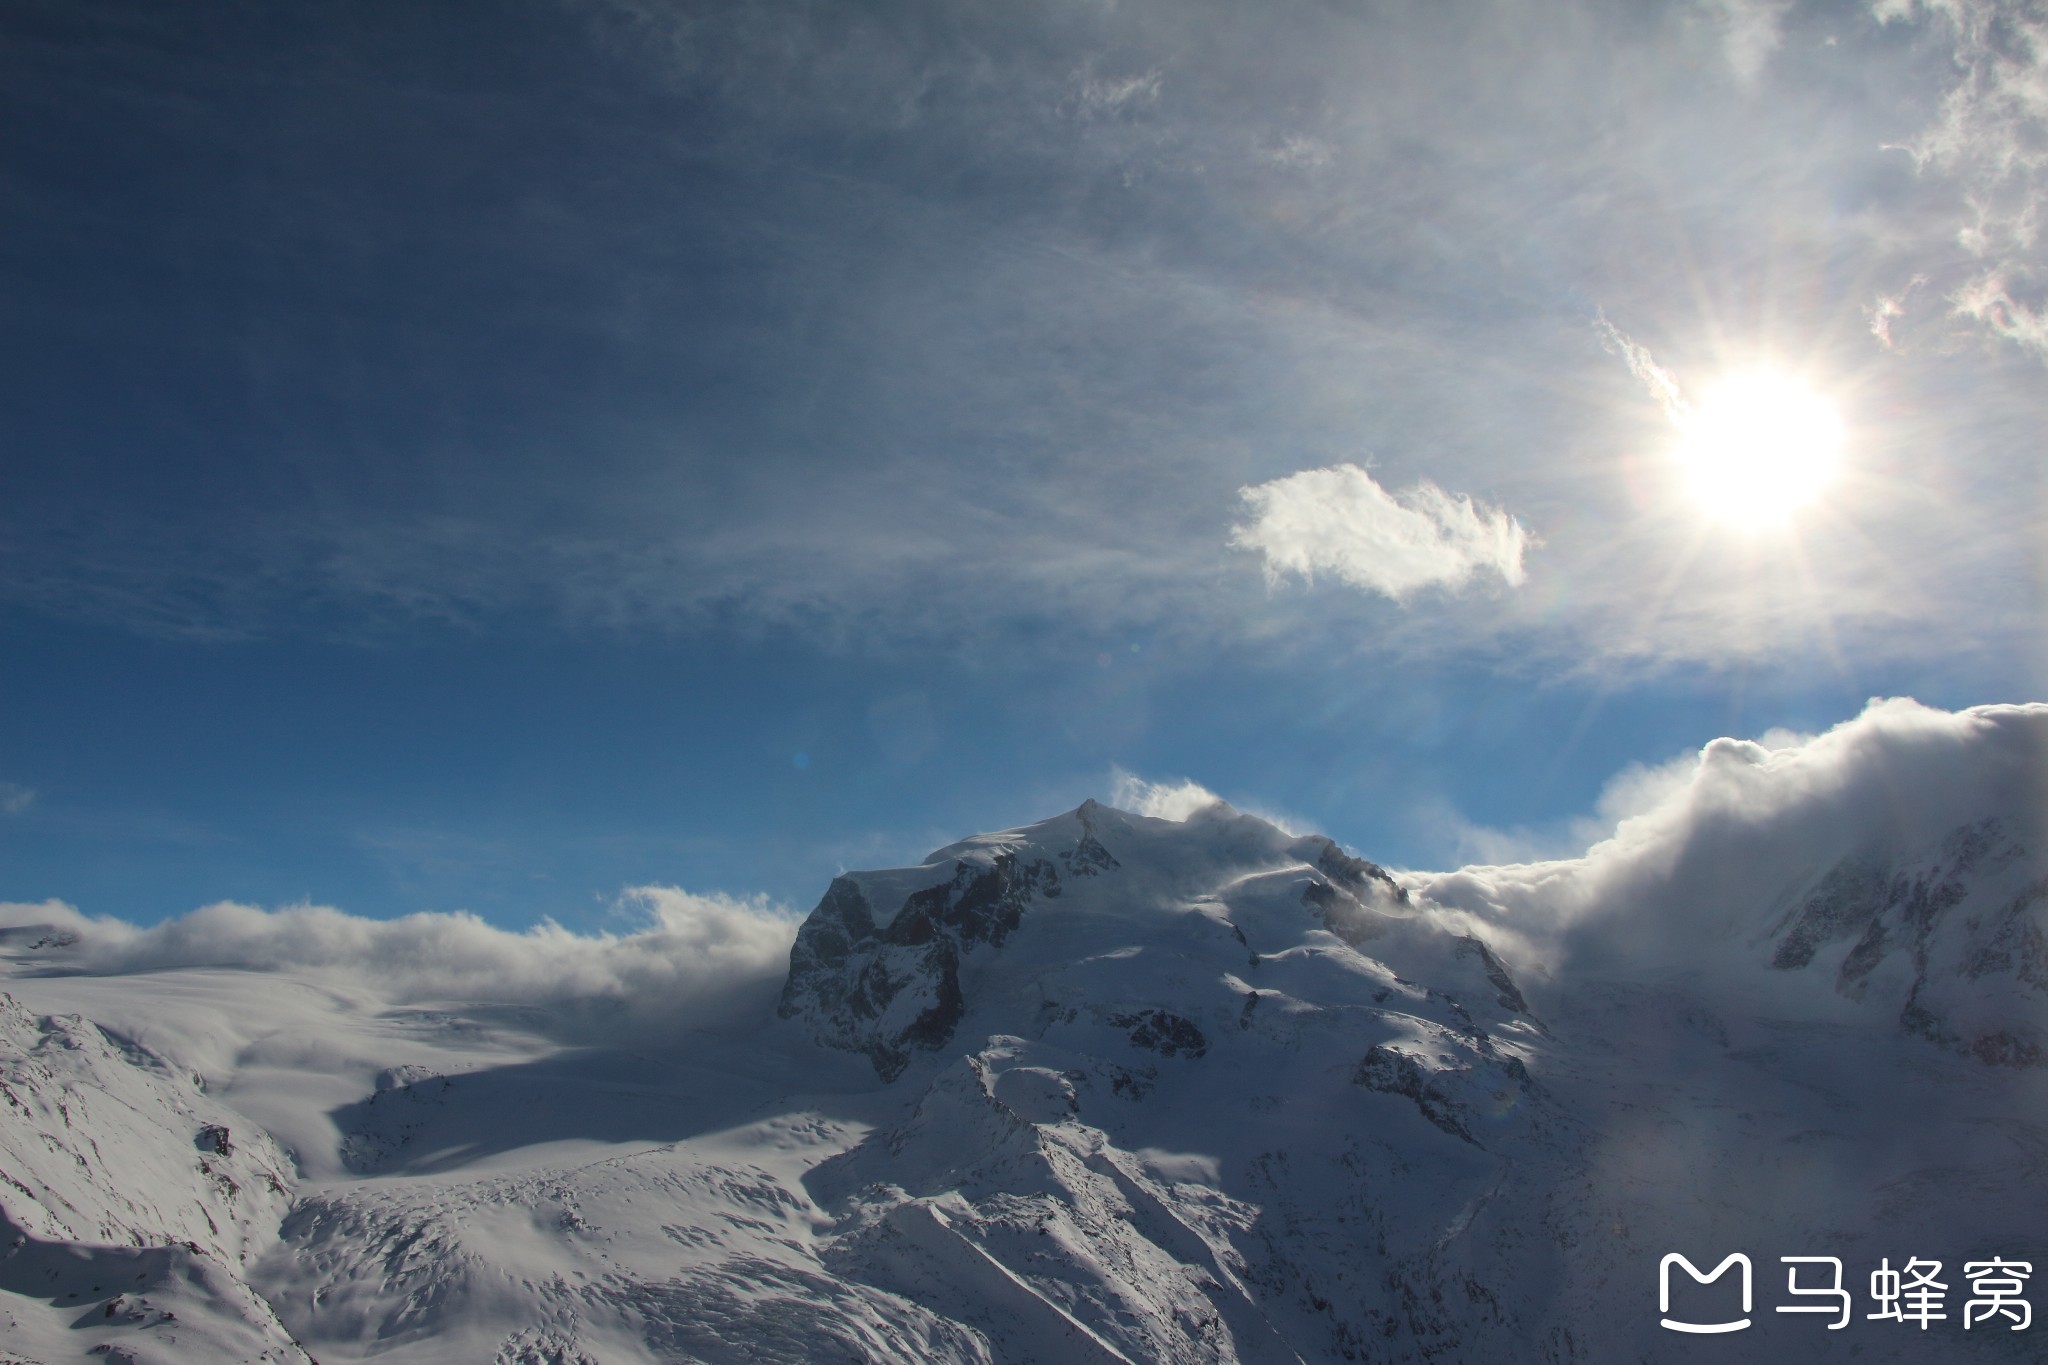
(1103,1088)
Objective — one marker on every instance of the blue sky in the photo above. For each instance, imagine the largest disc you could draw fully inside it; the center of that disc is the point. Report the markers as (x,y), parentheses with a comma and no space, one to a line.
(492,456)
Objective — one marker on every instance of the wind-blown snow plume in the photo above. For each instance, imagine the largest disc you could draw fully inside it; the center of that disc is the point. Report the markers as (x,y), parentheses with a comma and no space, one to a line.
(1163,800)
(1186,798)
(1340,521)
(694,956)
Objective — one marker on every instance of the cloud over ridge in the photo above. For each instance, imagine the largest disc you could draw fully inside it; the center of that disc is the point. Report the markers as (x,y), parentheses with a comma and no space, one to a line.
(691,959)
(1751,818)
(1694,858)
(1342,522)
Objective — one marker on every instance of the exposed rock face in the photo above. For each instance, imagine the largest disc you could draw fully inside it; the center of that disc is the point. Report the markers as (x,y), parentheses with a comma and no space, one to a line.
(1956,941)
(1509,994)
(1169,1035)
(888,990)
(1449,1093)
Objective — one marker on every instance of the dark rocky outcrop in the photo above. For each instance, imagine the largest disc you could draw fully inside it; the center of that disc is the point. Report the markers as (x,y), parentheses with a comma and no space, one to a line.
(1508,993)
(888,990)
(1393,1072)
(1452,1095)
(1351,901)
(1169,1035)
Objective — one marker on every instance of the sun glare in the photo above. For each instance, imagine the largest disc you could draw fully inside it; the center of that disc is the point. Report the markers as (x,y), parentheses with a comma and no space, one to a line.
(1758,447)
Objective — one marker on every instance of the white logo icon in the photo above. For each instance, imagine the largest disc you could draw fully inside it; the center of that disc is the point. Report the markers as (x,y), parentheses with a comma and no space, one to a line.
(1664,1291)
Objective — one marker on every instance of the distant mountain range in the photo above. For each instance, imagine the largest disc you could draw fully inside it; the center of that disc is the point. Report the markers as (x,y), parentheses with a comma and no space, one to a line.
(1113,1088)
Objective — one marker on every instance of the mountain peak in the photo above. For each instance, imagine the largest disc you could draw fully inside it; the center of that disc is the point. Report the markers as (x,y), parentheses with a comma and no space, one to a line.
(1144,922)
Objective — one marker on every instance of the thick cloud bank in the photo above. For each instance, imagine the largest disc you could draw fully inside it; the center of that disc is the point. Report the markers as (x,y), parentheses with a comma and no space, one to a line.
(694,958)
(1340,521)
(1713,859)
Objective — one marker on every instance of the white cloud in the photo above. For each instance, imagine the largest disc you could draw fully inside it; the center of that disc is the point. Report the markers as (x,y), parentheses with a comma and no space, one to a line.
(1108,97)
(1704,844)
(693,958)
(1989,299)
(1339,521)
(1889,307)
(1299,153)
(1330,253)
(1751,30)
(14,799)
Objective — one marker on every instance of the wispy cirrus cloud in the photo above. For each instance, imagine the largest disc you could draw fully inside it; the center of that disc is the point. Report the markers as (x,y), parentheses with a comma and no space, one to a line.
(944,323)
(1662,384)
(1751,30)
(1991,140)
(1340,521)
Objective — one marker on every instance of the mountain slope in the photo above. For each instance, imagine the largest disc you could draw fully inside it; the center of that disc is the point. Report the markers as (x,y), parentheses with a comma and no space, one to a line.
(1112,1012)
(1109,1088)
(130,1195)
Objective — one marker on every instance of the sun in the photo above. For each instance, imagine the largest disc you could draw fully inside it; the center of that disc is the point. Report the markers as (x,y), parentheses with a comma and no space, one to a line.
(1759,446)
